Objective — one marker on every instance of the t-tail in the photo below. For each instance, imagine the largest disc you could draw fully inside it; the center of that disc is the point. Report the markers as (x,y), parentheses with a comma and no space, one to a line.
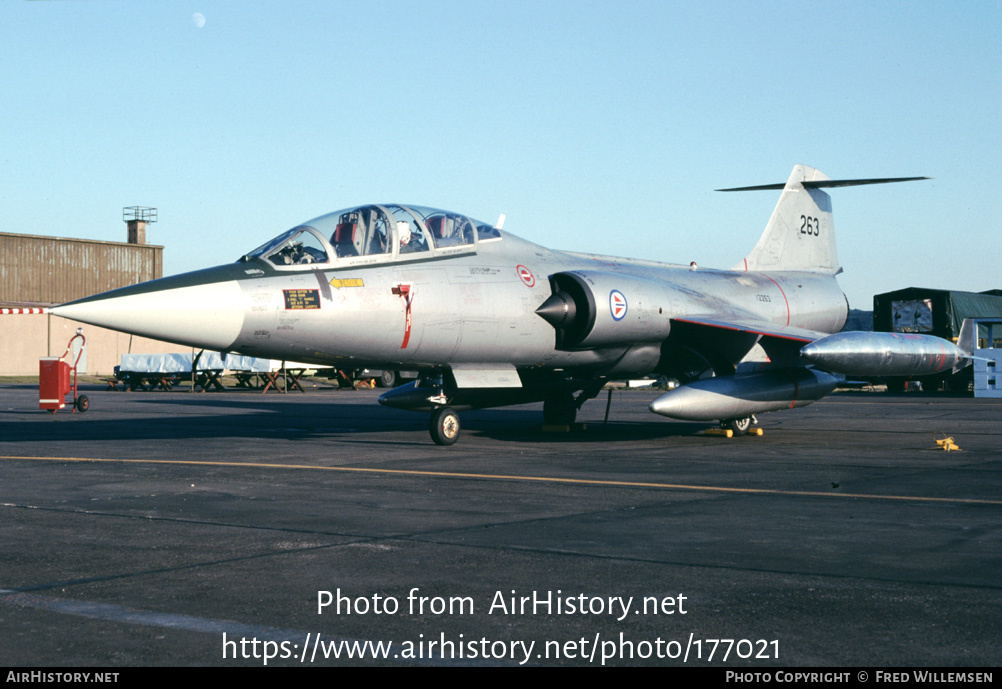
(800,234)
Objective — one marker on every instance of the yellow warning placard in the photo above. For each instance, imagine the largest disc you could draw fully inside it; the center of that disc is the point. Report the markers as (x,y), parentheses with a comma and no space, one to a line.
(296,299)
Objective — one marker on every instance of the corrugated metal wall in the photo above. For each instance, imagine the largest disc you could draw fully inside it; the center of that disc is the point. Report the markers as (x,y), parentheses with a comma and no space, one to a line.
(54,270)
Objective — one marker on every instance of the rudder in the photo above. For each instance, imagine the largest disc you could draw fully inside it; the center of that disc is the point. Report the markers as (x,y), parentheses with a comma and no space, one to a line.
(800,234)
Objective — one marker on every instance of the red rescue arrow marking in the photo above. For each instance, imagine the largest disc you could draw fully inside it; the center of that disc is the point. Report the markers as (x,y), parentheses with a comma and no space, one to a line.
(405,292)
(525,275)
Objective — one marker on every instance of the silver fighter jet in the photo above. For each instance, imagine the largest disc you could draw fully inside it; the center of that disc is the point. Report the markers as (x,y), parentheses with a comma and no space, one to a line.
(489,319)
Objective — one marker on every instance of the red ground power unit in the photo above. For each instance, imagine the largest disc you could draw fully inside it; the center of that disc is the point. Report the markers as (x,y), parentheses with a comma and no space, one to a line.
(53,383)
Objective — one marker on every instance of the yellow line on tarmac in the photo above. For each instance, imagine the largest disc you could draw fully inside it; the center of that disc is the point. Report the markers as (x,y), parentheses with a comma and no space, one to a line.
(514,477)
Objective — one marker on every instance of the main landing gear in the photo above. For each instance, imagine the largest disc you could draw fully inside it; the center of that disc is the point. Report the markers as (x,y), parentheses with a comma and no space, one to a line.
(739,426)
(560,406)
(444,426)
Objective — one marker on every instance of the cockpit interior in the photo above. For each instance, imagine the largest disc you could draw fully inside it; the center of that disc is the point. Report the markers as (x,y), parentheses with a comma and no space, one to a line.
(376,233)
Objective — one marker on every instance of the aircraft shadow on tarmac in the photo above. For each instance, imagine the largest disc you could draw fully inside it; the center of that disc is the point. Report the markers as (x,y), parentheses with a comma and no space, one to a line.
(217,416)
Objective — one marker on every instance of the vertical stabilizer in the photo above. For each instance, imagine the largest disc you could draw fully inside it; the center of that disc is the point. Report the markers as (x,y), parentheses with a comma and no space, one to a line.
(800,234)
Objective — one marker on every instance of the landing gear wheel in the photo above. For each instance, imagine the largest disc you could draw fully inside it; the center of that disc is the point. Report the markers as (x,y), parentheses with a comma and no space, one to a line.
(737,426)
(82,403)
(444,426)
(559,411)
(388,379)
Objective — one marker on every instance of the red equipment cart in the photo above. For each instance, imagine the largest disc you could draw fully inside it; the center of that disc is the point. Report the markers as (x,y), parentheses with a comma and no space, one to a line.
(54,380)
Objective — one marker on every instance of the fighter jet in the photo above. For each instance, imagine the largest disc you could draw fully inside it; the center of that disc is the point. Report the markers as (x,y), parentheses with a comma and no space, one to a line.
(489,319)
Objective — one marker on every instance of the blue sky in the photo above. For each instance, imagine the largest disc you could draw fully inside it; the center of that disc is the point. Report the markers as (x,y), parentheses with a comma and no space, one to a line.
(594,126)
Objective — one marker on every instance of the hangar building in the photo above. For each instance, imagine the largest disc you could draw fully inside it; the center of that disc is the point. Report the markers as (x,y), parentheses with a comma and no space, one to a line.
(937,312)
(38,272)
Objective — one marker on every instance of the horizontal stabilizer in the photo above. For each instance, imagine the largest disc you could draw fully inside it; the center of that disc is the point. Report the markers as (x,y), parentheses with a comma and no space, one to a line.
(829,183)
(800,235)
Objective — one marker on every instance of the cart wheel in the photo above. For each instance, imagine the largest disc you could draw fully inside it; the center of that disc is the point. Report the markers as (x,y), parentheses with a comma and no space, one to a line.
(82,403)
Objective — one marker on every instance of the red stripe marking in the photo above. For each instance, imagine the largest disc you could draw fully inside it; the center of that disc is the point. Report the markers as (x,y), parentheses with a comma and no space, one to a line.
(784,297)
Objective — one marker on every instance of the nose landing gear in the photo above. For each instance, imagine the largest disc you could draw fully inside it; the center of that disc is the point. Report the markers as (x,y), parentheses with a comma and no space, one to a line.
(444,426)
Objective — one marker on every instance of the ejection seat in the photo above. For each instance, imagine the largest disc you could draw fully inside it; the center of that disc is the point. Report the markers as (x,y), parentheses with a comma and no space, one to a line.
(344,239)
(444,232)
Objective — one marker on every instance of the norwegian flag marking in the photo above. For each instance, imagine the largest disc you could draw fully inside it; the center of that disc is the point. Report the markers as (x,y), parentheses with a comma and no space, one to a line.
(617,305)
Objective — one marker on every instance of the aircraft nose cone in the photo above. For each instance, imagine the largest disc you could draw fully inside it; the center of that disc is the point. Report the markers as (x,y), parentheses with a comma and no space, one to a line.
(200,309)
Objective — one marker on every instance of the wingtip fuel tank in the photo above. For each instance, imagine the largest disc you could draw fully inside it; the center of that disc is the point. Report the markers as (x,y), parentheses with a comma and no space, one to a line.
(884,354)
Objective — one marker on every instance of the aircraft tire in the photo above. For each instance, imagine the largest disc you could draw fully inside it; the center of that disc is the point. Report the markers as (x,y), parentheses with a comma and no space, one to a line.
(444,426)
(82,403)
(388,379)
(737,426)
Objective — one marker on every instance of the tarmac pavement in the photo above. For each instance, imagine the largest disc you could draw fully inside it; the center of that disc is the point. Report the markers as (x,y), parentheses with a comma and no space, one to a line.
(169,528)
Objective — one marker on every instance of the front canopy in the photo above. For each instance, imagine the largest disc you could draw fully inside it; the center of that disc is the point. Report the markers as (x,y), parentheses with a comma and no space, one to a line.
(374,233)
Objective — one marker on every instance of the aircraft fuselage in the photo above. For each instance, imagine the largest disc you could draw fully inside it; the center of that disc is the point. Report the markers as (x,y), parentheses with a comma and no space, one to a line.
(465,309)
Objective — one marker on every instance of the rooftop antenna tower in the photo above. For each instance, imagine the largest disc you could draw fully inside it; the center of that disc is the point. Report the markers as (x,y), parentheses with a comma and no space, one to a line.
(136,218)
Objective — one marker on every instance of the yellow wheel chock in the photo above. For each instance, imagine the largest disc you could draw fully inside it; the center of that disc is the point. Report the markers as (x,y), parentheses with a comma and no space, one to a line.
(728,433)
(947,443)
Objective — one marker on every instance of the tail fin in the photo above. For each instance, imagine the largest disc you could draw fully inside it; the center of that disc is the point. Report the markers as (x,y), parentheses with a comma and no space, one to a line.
(801,234)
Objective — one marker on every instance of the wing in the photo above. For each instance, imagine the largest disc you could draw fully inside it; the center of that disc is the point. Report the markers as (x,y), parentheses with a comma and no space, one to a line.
(697,343)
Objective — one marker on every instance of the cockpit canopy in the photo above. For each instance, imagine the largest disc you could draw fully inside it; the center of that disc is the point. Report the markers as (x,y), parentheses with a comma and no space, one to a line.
(376,233)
